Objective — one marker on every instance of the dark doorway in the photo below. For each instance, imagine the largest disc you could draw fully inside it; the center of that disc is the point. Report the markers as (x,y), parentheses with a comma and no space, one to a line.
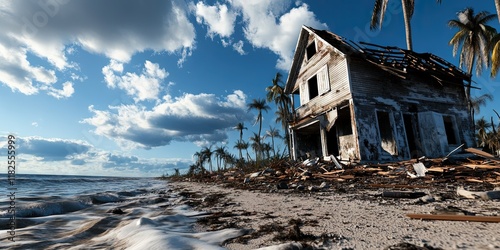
(410,135)
(332,142)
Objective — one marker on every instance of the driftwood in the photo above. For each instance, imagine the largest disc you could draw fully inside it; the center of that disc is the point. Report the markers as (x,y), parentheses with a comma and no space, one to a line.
(455,217)
(488,195)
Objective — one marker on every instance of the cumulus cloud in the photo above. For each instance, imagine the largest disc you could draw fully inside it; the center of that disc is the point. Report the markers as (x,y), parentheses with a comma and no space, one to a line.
(196,118)
(218,18)
(62,156)
(50,29)
(65,92)
(266,25)
(145,86)
(51,149)
(273,25)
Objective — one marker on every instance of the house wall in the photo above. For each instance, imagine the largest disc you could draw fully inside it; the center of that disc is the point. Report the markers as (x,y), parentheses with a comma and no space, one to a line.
(337,75)
(376,90)
(337,96)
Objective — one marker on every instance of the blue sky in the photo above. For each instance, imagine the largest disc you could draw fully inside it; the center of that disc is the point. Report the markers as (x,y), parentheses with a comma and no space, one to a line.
(135,88)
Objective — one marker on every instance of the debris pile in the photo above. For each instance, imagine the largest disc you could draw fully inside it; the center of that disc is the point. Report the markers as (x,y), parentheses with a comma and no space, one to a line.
(478,170)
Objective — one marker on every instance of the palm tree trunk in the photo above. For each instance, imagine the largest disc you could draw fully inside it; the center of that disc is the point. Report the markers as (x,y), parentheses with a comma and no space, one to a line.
(497,5)
(407,18)
(467,92)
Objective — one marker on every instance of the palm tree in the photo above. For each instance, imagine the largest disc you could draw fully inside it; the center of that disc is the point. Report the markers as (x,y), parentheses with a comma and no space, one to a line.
(206,153)
(220,153)
(256,146)
(266,148)
(240,127)
(477,102)
(276,93)
(199,160)
(245,146)
(281,117)
(228,159)
(482,127)
(495,54)
(379,12)
(273,133)
(240,146)
(472,37)
(259,105)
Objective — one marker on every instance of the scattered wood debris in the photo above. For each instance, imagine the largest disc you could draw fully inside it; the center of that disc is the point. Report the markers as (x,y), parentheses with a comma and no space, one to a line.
(473,170)
(455,217)
(487,195)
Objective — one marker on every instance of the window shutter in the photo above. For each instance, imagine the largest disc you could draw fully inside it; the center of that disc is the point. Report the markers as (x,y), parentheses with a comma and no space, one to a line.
(323,80)
(304,93)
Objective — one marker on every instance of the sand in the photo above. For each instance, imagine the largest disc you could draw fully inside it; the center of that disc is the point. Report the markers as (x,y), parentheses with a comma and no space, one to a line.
(353,219)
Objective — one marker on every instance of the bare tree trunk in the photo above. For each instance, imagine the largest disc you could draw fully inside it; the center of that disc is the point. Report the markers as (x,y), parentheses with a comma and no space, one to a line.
(407,18)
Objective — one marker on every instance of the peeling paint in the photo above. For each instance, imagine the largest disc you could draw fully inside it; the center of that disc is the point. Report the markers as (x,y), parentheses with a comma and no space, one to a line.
(421,114)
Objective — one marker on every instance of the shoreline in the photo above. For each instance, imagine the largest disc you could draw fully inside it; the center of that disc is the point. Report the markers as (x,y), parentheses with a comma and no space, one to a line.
(350,218)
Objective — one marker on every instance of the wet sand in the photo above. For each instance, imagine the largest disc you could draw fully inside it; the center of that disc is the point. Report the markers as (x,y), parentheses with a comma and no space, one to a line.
(333,219)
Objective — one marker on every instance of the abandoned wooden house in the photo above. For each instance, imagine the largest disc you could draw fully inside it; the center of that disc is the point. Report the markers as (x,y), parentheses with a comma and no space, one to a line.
(365,102)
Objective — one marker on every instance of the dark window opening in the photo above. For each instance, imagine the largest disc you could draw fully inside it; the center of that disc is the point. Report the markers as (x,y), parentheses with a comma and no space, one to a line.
(388,141)
(311,50)
(450,131)
(344,126)
(313,87)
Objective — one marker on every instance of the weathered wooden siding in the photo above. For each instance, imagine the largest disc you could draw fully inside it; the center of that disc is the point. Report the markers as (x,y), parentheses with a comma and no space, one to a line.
(338,79)
(376,90)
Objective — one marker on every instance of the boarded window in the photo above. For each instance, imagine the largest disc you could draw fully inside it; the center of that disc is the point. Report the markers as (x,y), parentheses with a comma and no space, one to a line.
(388,142)
(311,50)
(323,80)
(450,129)
(312,83)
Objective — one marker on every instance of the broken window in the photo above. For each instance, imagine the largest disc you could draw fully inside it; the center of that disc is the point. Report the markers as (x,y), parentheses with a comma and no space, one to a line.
(344,121)
(312,84)
(388,141)
(450,129)
(311,50)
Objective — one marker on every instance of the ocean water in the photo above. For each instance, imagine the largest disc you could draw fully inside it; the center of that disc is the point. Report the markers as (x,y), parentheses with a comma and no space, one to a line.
(73,212)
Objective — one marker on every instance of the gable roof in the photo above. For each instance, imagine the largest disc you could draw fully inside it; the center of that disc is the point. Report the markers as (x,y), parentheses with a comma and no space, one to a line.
(397,61)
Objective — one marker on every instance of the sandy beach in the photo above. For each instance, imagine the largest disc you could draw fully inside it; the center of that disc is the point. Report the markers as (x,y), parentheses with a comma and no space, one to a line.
(339,219)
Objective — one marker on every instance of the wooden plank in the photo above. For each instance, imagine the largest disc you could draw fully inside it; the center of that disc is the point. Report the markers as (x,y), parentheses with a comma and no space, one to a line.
(482,154)
(347,177)
(455,217)
(473,180)
(482,166)
(375,185)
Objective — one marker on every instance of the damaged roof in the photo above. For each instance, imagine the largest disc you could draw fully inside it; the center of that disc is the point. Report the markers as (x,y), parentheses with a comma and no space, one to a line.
(397,61)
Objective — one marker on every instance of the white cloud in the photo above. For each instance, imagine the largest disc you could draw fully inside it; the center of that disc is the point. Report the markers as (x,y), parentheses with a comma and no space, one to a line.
(195,118)
(219,19)
(51,29)
(145,86)
(61,156)
(238,46)
(266,26)
(65,92)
